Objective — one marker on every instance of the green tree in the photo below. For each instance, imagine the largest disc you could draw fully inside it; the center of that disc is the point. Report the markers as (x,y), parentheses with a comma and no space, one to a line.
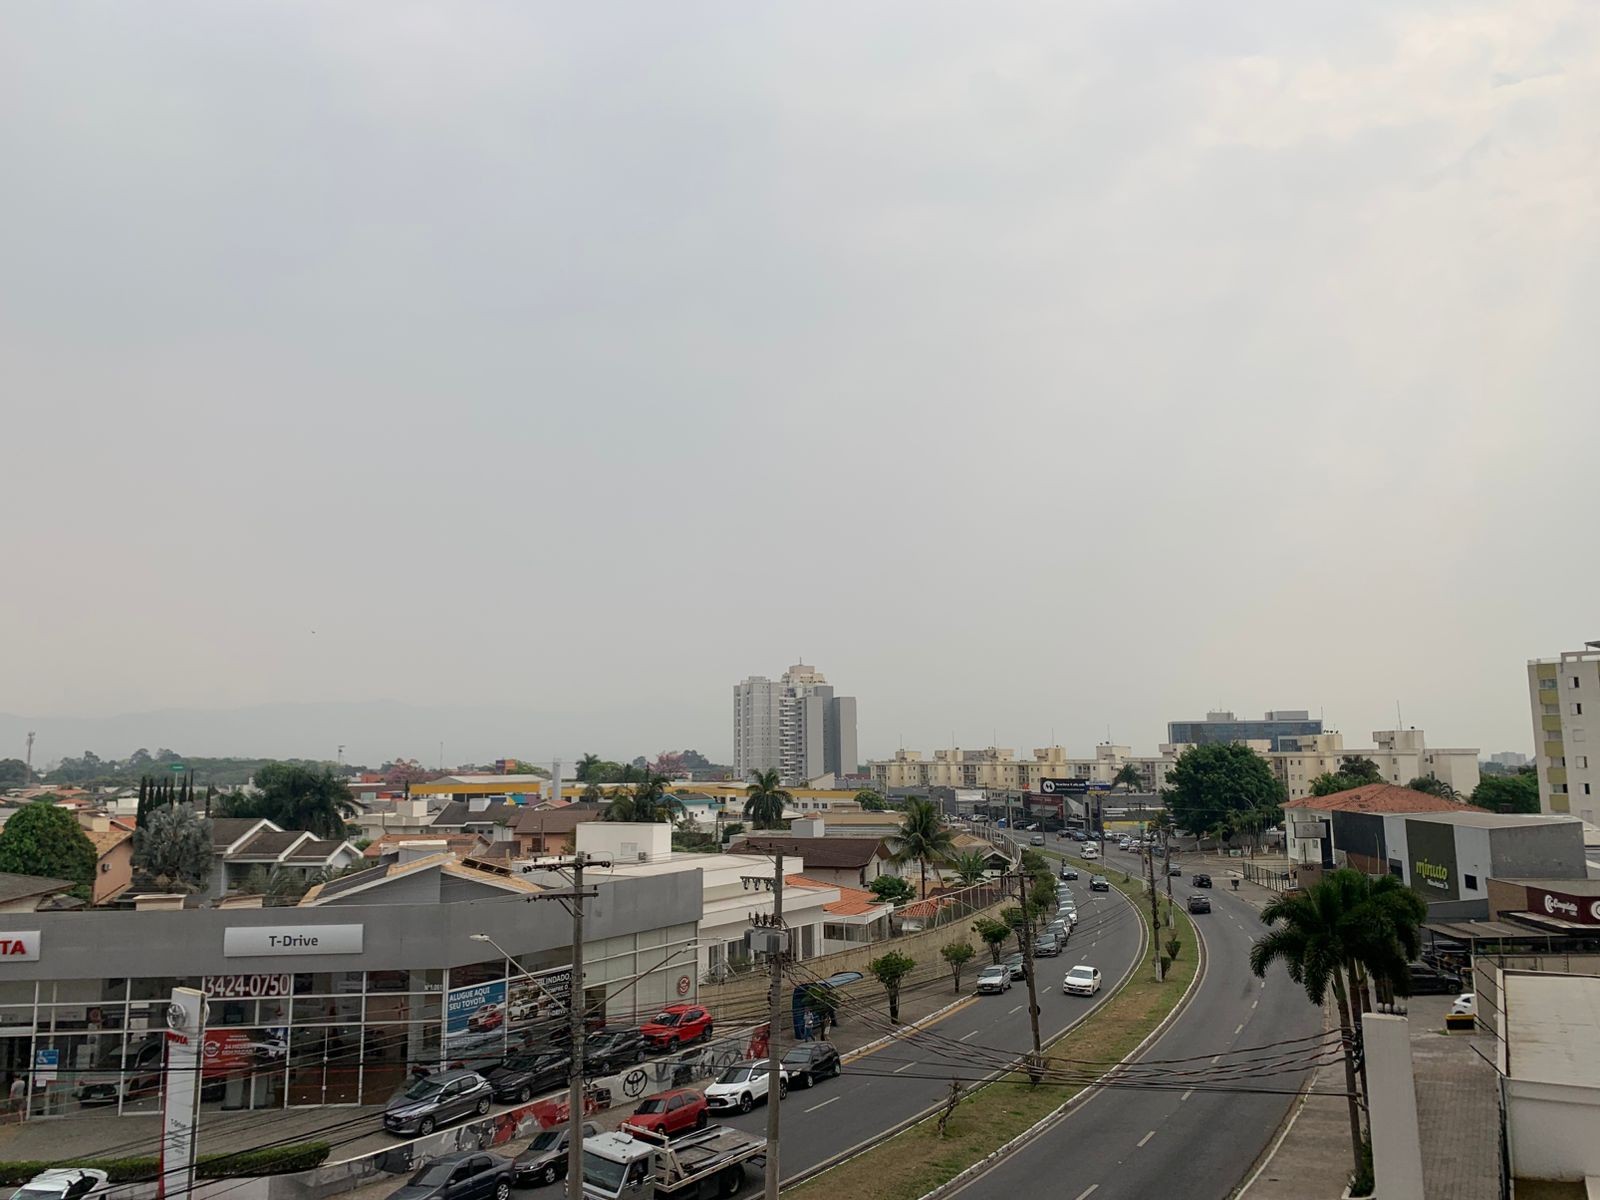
(1127,777)
(296,796)
(871,801)
(1315,933)
(1517,793)
(1361,769)
(765,799)
(1222,788)
(970,866)
(957,955)
(890,970)
(173,844)
(1434,786)
(646,800)
(921,838)
(41,839)
(13,773)
(1015,921)
(992,934)
(585,766)
(892,888)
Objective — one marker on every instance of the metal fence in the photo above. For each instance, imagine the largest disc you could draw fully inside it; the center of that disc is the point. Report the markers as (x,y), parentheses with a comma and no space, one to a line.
(1269,877)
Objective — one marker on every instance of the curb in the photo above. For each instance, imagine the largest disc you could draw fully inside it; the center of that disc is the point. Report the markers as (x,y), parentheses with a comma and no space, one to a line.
(1282,1135)
(958,1182)
(917,1118)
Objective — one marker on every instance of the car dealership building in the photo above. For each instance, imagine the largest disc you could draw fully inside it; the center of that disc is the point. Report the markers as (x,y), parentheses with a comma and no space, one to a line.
(416,963)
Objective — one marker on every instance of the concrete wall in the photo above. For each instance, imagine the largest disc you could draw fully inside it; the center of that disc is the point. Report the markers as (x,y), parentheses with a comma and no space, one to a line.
(1553,1130)
(1553,851)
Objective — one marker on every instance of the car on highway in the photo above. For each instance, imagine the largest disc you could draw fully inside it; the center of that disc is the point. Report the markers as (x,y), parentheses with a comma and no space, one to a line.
(1090,852)
(1099,884)
(544,1160)
(438,1099)
(520,1077)
(994,979)
(1061,927)
(810,1061)
(464,1175)
(741,1085)
(677,1025)
(1174,870)
(1081,981)
(1048,946)
(670,1112)
(64,1183)
(1036,839)
(612,1048)
(1200,880)
(1016,964)
(1069,872)
(1199,903)
(1465,1005)
(1069,914)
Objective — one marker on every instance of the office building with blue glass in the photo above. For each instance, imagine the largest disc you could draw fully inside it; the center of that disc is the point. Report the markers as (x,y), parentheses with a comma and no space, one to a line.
(1274,727)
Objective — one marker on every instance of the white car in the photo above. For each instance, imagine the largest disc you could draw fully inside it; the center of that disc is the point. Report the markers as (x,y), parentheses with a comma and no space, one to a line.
(1466,1005)
(63,1183)
(994,979)
(741,1085)
(1081,981)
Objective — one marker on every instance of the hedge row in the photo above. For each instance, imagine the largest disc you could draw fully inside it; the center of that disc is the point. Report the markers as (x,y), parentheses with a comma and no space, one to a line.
(278,1160)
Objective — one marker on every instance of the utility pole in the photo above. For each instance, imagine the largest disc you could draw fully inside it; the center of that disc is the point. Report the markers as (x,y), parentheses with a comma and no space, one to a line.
(1155,913)
(773,1053)
(29,771)
(1036,1069)
(575,1006)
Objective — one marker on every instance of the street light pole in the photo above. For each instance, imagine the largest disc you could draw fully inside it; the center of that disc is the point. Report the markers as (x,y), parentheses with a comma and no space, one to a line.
(575,1032)
(773,1056)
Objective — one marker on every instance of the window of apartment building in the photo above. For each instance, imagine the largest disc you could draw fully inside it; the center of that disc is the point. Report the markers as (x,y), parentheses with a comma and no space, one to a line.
(1575,680)
(1558,761)
(1577,708)
(1558,789)
(1550,710)
(1581,761)
(1471,881)
(1547,685)
(1586,791)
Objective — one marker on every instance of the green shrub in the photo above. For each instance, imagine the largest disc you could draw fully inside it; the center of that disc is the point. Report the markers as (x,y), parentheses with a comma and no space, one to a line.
(276,1160)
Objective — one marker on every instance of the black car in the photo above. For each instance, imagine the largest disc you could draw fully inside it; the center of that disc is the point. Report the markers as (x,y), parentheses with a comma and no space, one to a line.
(1200,880)
(1069,872)
(1428,981)
(545,1159)
(465,1175)
(1099,884)
(1199,904)
(520,1077)
(613,1048)
(811,1061)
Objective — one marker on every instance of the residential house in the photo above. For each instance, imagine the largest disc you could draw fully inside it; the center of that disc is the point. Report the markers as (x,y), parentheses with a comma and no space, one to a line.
(240,845)
(544,831)
(856,918)
(852,862)
(113,848)
(24,893)
(387,847)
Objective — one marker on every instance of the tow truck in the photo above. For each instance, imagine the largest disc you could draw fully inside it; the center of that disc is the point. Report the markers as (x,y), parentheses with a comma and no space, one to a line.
(638,1165)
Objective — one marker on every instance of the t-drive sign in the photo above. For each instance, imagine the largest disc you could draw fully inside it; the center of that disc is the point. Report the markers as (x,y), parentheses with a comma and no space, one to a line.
(1581,910)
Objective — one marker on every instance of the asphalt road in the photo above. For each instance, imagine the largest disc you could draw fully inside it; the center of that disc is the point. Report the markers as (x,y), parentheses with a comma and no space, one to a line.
(906,1077)
(1141,1141)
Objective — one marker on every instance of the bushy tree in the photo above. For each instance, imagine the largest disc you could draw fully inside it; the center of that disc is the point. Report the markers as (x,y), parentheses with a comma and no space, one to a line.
(957,955)
(992,934)
(892,888)
(13,772)
(1518,793)
(870,801)
(295,796)
(173,844)
(890,970)
(41,839)
(1222,788)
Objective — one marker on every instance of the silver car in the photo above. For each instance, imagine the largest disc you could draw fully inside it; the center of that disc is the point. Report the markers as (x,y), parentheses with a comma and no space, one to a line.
(435,1100)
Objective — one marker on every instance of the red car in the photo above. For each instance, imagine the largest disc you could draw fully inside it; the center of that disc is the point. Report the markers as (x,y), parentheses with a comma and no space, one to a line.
(670,1112)
(677,1025)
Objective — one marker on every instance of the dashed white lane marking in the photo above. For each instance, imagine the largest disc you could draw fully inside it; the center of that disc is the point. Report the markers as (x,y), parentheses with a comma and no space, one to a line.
(1253,1003)
(1017,1009)
(824,1104)
(1093,1187)
(1239,1030)
(1187,1094)
(907,1067)
(1147,1137)
(965,1036)
(1214,1059)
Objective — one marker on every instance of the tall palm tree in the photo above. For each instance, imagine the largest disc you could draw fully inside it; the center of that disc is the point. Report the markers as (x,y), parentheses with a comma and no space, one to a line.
(586,764)
(646,800)
(765,799)
(1128,777)
(970,867)
(1314,934)
(922,839)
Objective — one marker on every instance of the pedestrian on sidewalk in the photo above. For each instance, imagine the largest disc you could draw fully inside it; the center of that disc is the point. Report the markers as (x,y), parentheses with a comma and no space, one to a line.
(19,1097)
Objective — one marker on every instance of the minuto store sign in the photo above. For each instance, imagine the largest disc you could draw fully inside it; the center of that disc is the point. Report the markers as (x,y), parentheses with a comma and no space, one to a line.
(1431,849)
(1580,910)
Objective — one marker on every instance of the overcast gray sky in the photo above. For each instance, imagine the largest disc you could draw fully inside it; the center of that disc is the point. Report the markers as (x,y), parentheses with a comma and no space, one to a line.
(1025,367)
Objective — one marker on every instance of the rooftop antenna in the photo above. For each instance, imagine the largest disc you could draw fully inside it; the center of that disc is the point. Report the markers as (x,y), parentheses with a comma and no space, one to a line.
(1399,721)
(30,756)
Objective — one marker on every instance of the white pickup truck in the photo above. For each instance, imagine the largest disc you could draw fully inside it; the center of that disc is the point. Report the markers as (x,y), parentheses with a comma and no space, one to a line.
(639,1165)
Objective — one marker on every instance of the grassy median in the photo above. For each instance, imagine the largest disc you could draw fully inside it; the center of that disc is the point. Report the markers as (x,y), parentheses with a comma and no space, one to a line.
(914,1162)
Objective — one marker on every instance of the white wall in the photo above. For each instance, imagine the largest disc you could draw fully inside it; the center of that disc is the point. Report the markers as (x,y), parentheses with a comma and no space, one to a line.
(1554,1129)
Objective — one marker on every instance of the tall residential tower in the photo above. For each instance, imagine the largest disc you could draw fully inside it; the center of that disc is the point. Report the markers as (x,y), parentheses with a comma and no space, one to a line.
(796,726)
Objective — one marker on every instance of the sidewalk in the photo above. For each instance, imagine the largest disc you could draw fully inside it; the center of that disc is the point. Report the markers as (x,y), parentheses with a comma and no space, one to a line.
(92,1135)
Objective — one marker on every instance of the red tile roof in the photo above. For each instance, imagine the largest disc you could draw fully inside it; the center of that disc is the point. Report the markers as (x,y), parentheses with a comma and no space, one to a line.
(852,902)
(1382,798)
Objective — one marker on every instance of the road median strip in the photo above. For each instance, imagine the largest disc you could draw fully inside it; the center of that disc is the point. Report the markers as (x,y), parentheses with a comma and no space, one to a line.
(912,1160)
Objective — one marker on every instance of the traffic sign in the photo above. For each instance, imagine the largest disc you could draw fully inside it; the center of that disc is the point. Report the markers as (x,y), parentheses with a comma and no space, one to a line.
(179,768)
(1064,787)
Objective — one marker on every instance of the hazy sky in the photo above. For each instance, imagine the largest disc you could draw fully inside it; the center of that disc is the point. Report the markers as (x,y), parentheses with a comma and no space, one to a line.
(1023,367)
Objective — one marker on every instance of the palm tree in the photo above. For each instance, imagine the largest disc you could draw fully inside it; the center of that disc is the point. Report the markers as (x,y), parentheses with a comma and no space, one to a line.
(586,764)
(1128,777)
(647,800)
(765,799)
(922,839)
(970,867)
(1315,933)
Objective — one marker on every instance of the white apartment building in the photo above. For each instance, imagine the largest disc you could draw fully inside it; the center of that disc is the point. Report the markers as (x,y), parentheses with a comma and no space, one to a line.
(1563,694)
(999,768)
(1401,755)
(796,726)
